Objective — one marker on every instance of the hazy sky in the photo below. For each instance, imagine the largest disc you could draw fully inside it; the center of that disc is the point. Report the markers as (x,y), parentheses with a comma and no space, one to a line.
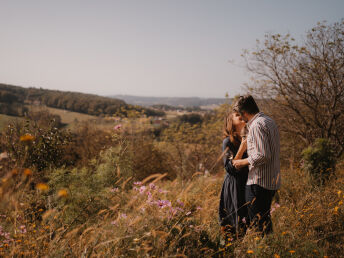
(144,47)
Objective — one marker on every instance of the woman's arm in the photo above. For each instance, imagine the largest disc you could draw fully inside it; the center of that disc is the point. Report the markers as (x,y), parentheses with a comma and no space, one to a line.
(242,149)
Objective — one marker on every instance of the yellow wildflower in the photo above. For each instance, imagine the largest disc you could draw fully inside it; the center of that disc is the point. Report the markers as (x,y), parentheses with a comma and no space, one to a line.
(28,172)
(291,251)
(340,202)
(62,193)
(27,137)
(250,251)
(277,256)
(42,187)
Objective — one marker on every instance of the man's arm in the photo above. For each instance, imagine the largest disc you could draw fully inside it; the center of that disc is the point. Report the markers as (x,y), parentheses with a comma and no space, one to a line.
(260,153)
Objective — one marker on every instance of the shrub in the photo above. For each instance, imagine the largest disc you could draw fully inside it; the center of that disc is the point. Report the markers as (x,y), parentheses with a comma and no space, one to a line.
(35,146)
(319,160)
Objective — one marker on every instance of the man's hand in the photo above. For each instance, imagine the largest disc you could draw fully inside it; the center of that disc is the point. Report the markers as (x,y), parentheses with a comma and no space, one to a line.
(240,163)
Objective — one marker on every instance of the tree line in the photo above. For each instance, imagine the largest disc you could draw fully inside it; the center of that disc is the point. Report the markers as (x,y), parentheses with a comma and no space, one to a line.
(14,98)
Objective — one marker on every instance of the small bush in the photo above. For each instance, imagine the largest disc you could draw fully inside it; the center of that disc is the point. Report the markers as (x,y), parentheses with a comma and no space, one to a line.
(319,160)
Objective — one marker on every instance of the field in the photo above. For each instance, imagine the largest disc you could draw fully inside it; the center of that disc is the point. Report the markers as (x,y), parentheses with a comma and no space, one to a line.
(109,191)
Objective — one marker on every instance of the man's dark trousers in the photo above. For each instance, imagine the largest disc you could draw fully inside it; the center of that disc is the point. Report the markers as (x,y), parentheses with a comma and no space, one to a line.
(258,201)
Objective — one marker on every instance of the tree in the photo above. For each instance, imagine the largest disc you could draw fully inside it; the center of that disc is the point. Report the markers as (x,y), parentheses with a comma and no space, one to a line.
(304,83)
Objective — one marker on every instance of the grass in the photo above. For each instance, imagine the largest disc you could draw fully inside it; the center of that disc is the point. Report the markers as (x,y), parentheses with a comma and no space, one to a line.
(5,120)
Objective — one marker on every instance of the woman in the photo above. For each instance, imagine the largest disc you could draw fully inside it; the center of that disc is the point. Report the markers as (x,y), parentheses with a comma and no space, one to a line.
(232,209)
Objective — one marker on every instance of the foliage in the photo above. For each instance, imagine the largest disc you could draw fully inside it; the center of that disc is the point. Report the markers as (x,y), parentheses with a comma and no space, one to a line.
(38,147)
(305,82)
(319,159)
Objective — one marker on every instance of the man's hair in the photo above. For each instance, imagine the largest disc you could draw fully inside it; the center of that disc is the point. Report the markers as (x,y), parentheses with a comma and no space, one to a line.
(246,103)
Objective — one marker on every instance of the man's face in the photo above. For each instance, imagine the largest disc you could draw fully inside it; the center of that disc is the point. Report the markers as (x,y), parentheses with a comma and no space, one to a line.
(244,116)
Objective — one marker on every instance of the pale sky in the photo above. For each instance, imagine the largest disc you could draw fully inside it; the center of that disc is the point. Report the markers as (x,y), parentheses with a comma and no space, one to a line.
(175,48)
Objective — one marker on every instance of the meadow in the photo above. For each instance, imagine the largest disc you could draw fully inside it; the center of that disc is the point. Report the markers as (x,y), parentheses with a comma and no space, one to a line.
(143,194)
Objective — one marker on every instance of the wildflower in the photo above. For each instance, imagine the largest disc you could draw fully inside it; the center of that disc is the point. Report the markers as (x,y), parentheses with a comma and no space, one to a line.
(283,233)
(138,183)
(163,203)
(142,189)
(291,251)
(199,208)
(256,238)
(28,172)
(162,191)
(339,193)
(22,229)
(180,203)
(152,186)
(340,202)
(62,193)
(42,187)
(277,256)
(117,127)
(27,138)
(336,210)
(250,251)
(123,216)
(179,209)
(113,222)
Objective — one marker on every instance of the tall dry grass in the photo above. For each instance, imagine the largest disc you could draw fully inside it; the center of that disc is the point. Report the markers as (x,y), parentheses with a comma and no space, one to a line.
(162,218)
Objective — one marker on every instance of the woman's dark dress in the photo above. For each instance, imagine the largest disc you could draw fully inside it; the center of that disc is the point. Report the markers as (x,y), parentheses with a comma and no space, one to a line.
(232,208)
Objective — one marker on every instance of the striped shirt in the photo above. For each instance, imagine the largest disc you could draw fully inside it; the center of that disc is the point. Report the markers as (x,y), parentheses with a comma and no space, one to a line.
(263,149)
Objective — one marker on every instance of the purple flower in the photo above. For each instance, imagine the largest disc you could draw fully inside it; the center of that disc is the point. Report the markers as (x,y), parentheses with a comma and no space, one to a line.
(114,222)
(23,229)
(179,209)
(180,203)
(152,186)
(142,189)
(117,127)
(137,183)
(199,208)
(163,203)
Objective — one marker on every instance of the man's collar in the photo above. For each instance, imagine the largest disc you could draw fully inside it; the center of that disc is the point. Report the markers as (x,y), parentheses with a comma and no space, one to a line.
(253,118)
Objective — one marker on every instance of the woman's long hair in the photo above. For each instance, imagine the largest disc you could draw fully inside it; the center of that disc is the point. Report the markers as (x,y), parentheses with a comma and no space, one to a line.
(229,129)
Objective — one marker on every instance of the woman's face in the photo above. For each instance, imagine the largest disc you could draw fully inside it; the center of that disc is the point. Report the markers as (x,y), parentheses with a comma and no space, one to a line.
(238,122)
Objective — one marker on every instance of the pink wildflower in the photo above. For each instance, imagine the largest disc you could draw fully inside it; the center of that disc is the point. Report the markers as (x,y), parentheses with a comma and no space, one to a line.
(117,127)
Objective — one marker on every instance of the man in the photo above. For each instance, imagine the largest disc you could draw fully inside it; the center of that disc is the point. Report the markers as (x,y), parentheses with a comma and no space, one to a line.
(263,147)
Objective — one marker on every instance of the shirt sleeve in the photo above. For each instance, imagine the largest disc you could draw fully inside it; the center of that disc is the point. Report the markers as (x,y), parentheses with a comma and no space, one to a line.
(260,149)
